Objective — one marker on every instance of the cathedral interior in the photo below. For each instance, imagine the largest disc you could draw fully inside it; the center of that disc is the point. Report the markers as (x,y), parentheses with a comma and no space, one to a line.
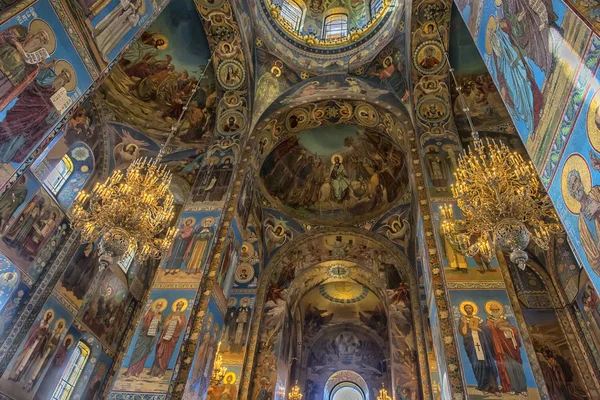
(299,199)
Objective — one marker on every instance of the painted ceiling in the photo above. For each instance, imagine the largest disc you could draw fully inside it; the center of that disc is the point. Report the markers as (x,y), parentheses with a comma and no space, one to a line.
(339,301)
(335,173)
(295,47)
(157,75)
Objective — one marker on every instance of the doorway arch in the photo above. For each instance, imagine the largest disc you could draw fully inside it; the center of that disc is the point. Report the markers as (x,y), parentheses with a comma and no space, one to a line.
(346,385)
(347,391)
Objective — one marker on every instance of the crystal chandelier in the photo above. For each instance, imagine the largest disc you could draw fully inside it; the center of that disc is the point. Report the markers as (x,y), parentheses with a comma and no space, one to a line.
(383,393)
(295,393)
(219,370)
(502,201)
(131,212)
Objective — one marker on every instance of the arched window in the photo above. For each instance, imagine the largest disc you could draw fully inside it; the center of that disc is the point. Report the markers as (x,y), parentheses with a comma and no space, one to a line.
(127,260)
(69,378)
(336,26)
(291,11)
(375,6)
(347,391)
(59,175)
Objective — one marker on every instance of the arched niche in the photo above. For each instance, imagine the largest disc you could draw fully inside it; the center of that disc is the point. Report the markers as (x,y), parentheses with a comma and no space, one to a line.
(366,257)
(345,378)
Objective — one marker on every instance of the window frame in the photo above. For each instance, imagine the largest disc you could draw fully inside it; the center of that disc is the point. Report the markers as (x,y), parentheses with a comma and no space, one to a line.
(378,3)
(343,26)
(56,179)
(293,12)
(70,376)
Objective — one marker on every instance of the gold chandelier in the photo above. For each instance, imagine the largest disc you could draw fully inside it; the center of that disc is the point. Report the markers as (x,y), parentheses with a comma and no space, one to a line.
(502,201)
(383,393)
(219,370)
(295,394)
(131,212)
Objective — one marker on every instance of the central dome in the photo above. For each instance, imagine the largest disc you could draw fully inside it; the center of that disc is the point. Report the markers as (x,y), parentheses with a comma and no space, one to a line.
(318,24)
(327,35)
(335,175)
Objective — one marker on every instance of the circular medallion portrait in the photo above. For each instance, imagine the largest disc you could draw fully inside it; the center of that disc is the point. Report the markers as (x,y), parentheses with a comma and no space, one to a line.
(231,74)
(231,123)
(429,58)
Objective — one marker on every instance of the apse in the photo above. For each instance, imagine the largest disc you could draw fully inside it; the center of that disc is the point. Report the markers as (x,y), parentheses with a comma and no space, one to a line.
(338,174)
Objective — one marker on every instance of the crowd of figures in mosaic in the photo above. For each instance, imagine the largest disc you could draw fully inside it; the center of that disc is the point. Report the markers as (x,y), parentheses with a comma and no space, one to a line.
(294,253)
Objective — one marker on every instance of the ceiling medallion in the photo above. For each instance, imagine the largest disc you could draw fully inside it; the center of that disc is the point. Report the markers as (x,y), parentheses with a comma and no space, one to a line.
(343,292)
(231,74)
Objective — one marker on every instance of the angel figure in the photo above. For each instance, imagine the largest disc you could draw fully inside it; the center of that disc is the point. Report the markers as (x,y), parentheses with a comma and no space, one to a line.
(128,150)
(397,229)
(277,233)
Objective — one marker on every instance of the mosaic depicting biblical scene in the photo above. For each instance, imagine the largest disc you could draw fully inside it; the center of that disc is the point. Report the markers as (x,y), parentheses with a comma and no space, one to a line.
(354,174)
(496,363)
(150,359)
(211,338)
(159,73)
(42,76)
(311,145)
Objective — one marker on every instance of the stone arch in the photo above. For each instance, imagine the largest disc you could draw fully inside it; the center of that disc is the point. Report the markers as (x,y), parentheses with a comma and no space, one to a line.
(567,318)
(276,269)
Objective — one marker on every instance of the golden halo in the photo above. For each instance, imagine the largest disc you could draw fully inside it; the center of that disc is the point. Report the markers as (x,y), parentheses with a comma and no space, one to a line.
(578,163)
(228,375)
(39,25)
(490,30)
(493,303)
(234,301)
(245,299)
(593,122)
(50,310)
(62,65)
(498,3)
(388,61)
(164,39)
(337,155)
(72,340)
(142,9)
(182,300)
(468,303)
(59,321)
(164,303)
(208,221)
(187,219)
(276,71)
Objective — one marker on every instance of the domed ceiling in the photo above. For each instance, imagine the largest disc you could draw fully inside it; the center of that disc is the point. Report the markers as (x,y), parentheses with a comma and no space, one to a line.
(300,30)
(336,175)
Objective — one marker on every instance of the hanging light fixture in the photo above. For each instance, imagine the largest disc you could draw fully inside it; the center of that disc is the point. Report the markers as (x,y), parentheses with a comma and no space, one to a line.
(383,393)
(131,212)
(219,370)
(502,201)
(295,394)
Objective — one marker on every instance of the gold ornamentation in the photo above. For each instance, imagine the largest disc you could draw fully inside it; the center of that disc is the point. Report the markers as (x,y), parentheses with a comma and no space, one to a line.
(219,371)
(502,202)
(129,212)
(313,41)
(383,393)
(295,394)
